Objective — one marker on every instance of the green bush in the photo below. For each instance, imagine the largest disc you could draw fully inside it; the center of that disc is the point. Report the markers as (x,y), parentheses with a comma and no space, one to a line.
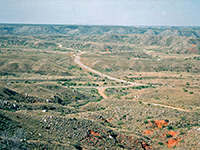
(148,117)
(166,120)
(120,122)
(183,118)
(168,135)
(170,127)
(152,121)
(185,90)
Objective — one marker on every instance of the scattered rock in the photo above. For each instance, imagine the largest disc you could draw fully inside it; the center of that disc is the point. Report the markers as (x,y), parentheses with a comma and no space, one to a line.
(102,118)
(94,133)
(198,129)
(110,119)
(160,123)
(147,132)
(146,146)
(172,133)
(173,142)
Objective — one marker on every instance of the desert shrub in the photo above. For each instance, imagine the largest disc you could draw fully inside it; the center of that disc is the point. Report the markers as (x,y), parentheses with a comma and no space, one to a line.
(185,90)
(149,117)
(152,121)
(166,120)
(102,108)
(168,135)
(59,82)
(183,117)
(170,127)
(120,145)
(187,83)
(120,122)
(146,121)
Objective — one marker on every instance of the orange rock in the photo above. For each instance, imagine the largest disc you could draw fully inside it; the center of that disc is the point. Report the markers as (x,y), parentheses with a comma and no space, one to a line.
(104,131)
(173,142)
(146,146)
(94,133)
(147,132)
(110,119)
(160,123)
(107,50)
(172,133)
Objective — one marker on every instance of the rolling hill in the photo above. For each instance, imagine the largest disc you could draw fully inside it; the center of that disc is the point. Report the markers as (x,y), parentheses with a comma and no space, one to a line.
(21,29)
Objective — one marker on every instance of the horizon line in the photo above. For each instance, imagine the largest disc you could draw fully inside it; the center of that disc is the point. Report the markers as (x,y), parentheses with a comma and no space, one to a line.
(57,24)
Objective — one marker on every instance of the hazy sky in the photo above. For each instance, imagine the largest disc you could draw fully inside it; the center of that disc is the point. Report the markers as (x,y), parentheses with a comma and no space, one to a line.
(102,12)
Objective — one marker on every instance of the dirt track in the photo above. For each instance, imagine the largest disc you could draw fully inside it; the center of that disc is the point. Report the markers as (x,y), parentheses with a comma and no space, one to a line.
(77,61)
(102,89)
(180,109)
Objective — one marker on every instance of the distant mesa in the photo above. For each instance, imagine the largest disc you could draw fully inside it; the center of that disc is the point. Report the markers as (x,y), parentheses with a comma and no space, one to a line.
(23,29)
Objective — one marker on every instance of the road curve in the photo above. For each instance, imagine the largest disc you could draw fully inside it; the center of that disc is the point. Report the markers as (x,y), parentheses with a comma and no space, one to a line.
(78,61)
(102,89)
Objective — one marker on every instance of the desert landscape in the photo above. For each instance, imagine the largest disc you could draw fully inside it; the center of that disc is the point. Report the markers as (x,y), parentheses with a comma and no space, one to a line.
(99,87)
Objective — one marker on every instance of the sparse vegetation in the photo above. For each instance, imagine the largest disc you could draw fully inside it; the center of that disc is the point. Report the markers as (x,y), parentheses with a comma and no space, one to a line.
(47,101)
